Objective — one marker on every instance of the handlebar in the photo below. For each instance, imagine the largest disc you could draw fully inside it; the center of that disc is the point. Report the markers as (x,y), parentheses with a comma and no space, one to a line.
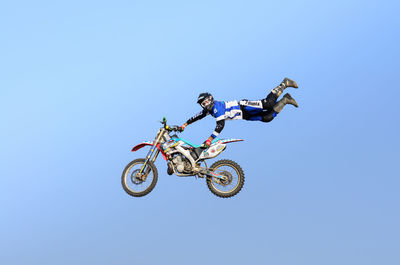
(173,128)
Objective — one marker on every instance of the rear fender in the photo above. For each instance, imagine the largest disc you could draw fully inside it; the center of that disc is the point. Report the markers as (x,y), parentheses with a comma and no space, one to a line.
(225,141)
(149,143)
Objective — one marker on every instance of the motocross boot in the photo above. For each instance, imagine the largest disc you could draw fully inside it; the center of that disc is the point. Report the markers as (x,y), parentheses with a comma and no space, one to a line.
(286,82)
(287,99)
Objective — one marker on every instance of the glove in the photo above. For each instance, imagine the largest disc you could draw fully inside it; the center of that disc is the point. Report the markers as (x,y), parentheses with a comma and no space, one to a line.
(207,143)
(182,128)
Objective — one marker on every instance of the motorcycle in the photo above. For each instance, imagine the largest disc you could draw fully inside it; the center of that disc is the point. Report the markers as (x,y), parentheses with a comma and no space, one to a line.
(225,178)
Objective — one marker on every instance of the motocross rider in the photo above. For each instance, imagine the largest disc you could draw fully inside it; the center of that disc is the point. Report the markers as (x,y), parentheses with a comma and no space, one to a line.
(264,110)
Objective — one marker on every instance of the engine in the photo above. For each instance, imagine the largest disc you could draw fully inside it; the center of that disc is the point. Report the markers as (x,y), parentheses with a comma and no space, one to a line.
(182,164)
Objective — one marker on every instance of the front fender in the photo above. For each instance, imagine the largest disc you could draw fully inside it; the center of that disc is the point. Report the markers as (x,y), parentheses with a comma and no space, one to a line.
(141,145)
(150,143)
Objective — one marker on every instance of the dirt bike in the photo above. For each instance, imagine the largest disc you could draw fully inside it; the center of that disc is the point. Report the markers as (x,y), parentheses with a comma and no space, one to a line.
(225,178)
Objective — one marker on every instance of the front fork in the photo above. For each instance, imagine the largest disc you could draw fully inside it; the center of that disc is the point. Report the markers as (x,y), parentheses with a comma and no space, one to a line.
(149,154)
(149,157)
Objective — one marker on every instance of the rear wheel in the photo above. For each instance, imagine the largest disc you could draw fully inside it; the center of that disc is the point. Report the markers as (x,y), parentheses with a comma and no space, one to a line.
(232,182)
(139,184)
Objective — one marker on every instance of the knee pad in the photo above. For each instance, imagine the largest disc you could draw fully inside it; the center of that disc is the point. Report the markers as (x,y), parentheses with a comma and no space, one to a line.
(267,118)
(269,101)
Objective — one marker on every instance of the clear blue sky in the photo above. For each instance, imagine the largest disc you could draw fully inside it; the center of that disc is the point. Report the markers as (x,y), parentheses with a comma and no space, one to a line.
(84,81)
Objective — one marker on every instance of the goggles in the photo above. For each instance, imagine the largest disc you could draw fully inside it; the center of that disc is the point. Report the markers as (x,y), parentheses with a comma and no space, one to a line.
(206,102)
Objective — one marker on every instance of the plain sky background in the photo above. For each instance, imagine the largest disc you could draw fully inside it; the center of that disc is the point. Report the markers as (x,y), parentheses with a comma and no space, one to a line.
(82,82)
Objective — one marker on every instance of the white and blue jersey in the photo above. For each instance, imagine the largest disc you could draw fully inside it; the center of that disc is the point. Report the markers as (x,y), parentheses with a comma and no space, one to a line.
(226,110)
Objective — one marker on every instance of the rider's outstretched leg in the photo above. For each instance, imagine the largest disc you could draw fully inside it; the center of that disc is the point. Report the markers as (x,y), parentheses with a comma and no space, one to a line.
(270,101)
(266,109)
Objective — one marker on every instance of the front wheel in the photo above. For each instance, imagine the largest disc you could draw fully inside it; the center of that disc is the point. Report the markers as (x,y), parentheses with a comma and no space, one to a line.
(138,183)
(233,178)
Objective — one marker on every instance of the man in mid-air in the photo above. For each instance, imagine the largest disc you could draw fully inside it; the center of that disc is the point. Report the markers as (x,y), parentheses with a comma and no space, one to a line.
(264,110)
